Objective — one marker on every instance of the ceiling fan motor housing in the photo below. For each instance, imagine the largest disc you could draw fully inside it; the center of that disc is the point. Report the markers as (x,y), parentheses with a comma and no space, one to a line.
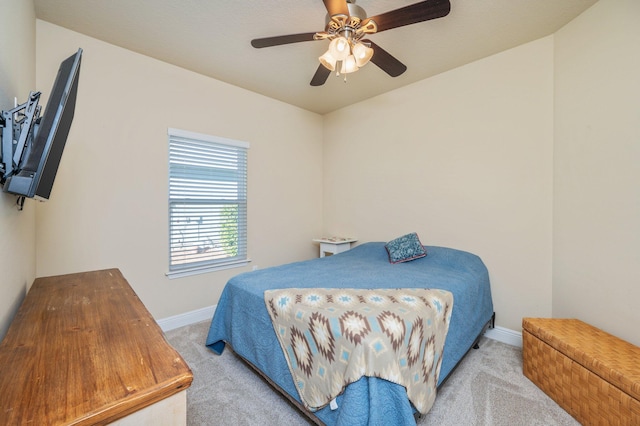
(340,23)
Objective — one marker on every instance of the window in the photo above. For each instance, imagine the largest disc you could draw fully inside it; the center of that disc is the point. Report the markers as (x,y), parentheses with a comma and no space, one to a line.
(207,203)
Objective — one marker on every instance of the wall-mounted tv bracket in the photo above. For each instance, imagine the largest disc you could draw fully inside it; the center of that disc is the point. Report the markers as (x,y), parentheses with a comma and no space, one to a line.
(17,126)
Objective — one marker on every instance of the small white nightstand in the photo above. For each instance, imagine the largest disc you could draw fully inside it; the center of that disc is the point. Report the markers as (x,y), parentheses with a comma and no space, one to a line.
(334,245)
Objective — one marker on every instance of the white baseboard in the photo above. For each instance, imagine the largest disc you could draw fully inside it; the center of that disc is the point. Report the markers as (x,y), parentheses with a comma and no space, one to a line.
(187,318)
(505,335)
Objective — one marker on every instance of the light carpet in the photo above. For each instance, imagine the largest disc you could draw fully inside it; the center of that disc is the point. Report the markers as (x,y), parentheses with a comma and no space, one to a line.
(487,388)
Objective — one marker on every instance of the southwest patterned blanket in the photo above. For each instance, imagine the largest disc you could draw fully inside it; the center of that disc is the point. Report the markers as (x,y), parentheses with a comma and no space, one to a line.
(333,337)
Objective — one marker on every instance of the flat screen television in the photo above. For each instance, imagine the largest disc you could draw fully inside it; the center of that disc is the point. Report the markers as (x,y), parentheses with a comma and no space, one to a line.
(36,170)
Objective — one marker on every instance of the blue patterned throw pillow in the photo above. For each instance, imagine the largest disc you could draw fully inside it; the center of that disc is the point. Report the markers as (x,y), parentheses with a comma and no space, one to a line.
(405,248)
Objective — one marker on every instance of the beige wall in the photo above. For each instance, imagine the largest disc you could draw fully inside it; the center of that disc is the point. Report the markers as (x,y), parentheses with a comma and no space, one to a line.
(17,228)
(465,160)
(596,260)
(108,207)
(527,158)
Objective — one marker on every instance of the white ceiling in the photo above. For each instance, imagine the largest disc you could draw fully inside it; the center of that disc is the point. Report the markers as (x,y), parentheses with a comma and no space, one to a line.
(212,37)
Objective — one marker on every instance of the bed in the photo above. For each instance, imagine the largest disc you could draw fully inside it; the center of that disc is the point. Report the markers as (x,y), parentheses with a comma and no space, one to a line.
(242,320)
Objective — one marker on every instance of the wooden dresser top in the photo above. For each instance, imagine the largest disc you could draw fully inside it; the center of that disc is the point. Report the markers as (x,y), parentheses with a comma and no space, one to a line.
(83,349)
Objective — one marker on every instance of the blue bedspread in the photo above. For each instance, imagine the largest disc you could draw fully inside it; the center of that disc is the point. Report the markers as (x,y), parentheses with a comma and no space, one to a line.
(241,319)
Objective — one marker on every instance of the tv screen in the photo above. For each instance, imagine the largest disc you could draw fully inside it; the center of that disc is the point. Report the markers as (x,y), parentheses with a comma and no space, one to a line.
(37,171)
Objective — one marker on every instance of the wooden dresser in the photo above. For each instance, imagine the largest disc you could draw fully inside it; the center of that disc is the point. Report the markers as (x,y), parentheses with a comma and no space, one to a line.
(84,350)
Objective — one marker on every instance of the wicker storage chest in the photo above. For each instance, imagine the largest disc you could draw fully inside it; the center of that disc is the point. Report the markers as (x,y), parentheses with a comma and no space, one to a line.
(593,375)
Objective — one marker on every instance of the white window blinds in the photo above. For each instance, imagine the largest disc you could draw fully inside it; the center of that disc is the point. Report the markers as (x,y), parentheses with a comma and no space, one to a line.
(207,202)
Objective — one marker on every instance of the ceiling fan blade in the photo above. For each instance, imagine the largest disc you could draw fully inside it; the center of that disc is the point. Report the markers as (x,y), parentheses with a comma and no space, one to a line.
(278,40)
(321,75)
(385,61)
(336,7)
(412,14)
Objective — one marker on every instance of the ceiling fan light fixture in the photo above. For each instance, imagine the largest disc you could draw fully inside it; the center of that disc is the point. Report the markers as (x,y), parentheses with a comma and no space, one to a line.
(328,61)
(362,54)
(347,24)
(339,48)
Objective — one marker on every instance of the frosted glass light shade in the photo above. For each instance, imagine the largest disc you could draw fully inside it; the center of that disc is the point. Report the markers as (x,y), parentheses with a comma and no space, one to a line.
(349,65)
(339,48)
(328,61)
(362,54)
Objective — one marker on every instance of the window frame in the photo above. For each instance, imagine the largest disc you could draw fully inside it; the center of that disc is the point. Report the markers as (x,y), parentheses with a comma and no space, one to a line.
(205,266)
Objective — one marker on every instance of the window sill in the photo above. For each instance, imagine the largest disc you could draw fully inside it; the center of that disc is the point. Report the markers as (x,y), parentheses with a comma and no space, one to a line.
(206,269)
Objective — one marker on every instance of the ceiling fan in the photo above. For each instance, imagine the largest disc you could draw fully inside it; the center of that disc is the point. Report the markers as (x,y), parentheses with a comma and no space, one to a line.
(346,27)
